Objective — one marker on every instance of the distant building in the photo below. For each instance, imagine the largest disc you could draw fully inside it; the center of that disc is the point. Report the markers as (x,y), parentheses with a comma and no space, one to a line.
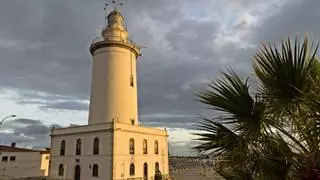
(113,146)
(22,163)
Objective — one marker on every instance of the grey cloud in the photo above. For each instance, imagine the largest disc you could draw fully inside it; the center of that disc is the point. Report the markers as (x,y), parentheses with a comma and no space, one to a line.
(297,17)
(186,121)
(66,105)
(45,57)
(48,101)
(26,133)
(35,130)
(24,102)
(174,123)
(7,139)
(62,105)
(24,121)
(36,95)
(60,60)
(60,67)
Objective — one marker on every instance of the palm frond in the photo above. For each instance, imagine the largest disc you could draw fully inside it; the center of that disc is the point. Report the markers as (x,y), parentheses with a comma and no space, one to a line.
(271,157)
(307,166)
(218,137)
(275,135)
(230,95)
(283,70)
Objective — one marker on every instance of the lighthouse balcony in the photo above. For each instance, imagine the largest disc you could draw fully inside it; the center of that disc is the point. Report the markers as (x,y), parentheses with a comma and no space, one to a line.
(114,40)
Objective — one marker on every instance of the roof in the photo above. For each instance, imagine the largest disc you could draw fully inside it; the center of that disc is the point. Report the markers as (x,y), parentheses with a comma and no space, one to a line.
(16,149)
(115,12)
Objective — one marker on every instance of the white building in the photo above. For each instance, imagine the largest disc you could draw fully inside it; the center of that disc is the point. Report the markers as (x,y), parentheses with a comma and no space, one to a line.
(22,163)
(113,145)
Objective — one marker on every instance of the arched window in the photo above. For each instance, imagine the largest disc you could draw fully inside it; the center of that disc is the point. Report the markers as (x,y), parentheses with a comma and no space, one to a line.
(145,171)
(77,172)
(145,147)
(96,146)
(95,170)
(78,147)
(63,148)
(156,147)
(61,170)
(157,167)
(131,169)
(131,146)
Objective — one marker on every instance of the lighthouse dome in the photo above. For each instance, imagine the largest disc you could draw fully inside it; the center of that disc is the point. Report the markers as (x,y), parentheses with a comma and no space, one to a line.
(115,20)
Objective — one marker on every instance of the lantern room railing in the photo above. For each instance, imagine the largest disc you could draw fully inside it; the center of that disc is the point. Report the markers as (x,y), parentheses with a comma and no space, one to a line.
(120,39)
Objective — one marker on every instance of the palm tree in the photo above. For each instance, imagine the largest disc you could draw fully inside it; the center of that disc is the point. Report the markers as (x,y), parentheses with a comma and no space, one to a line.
(271,130)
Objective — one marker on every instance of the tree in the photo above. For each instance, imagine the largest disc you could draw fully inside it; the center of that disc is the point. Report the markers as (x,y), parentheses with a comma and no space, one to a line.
(270,130)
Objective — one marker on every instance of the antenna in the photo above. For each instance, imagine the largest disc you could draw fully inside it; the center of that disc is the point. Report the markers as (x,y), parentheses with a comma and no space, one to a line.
(114,5)
(105,14)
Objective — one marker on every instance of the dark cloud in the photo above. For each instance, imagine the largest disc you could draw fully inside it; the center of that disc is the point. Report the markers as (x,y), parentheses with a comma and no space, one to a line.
(296,18)
(66,105)
(36,95)
(61,105)
(45,56)
(26,133)
(186,121)
(23,122)
(46,51)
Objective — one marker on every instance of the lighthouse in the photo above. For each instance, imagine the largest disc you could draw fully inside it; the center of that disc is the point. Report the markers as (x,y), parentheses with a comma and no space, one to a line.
(113,145)
(114,78)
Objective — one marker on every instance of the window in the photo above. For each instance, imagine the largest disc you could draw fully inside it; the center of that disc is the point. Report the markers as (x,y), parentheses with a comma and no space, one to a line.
(78,147)
(4,158)
(145,147)
(12,158)
(61,170)
(63,148)
(77,172)
(96,146)
(95,170)
(132,121)
(145,171)
(131,169)
(131,146)
(131,81)
(157,167)
(156,147)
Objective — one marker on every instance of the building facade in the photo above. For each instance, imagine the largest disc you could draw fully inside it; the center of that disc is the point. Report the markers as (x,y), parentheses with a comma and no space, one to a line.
(113,145)
(21,163)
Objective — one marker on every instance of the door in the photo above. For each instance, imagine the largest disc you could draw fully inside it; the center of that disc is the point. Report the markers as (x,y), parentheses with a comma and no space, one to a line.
(77,172)
(145,171)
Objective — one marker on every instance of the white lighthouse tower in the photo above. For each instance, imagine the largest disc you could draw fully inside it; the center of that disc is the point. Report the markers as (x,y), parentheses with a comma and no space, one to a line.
(113,145)
(114,84)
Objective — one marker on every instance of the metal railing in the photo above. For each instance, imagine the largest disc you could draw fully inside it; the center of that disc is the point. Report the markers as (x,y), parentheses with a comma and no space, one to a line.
(121,39)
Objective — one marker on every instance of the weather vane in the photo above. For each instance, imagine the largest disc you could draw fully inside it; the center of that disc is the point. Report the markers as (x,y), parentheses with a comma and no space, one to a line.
(114,4)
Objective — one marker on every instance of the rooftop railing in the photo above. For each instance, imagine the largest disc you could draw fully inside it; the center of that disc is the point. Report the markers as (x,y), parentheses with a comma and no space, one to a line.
(120,39)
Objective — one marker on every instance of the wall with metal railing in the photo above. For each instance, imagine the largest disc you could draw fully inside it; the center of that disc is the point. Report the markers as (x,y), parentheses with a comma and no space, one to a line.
(121,39)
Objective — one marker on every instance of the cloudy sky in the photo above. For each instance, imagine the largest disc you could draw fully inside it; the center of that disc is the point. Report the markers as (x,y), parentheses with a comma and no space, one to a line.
(45,64)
